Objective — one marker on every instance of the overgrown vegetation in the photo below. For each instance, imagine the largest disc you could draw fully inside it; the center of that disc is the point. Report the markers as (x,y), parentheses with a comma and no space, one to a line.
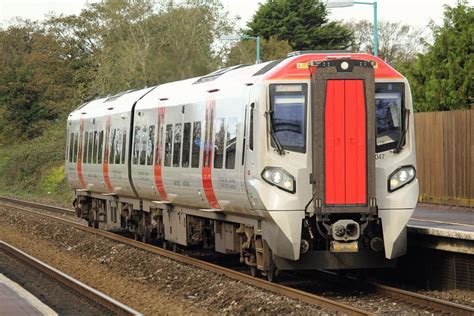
(47,69)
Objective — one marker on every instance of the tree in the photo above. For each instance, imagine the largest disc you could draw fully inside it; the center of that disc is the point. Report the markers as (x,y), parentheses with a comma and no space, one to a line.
(35,81)
(303,23)
(397,42)
(443,78)
(244,52)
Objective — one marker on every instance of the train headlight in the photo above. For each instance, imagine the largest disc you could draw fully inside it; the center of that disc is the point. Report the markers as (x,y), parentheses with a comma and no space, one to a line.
(279,178)
(401,177)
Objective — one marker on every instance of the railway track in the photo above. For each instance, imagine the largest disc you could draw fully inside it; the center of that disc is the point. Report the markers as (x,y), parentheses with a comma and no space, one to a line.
(433,305)
(92,295)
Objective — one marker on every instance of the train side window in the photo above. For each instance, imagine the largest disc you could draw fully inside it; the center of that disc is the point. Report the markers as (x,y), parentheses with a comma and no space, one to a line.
(112,147)
(219,143)
(91,149)
(150,148)
(71,146)
(136,145)
(251,127)
(159,142)
(231,143)
(101,144)
(124,144)
(196,151)
(177,144)
(245,136)
(186,145)
(76,145)
(143,145)
(169,137)
(118,146)
(95,146)
(86,139)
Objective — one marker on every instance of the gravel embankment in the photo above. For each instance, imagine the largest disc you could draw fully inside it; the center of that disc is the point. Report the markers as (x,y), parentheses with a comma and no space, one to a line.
(153,284)
(146,282)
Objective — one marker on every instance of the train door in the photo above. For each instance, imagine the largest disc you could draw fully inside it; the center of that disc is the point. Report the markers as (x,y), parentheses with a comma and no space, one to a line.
(248,148)
(344,135)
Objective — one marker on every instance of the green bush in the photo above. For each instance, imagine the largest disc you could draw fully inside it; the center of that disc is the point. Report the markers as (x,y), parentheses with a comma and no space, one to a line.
(35,168)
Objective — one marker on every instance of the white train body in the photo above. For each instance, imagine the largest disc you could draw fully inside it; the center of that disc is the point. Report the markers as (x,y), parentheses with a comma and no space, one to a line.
(186,161)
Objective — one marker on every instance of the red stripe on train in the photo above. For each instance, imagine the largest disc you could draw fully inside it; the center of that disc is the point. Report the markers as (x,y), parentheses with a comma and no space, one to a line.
(79,158)
(105,165)
(208,153)
(159,144)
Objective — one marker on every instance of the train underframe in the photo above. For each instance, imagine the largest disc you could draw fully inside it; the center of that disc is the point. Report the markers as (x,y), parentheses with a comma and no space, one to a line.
(332,241)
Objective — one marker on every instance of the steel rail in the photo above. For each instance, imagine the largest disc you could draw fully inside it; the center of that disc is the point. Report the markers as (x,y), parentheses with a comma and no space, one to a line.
(423,300)
(55,209)
(263,284)
(77,286)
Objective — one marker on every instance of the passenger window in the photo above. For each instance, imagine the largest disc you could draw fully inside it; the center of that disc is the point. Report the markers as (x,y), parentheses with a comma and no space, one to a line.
(251,127)
(101,144)
(219,143)
(245,137)
(86,139)
(150,148)
(177,144)
(118,145)
(196,151)
(169,137)
(124,144)
(71,146)
(136,145)
(95,146)
(231,143)
(89,153)
(158,145)
(143,145)
(76,145)
(112,147)
(186,145)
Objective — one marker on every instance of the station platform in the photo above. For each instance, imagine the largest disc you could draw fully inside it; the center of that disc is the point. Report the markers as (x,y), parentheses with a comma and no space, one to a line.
(15,300)
(443,228)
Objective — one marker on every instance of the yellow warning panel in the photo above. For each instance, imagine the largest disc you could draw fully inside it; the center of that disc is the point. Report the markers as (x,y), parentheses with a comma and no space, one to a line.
(302,65)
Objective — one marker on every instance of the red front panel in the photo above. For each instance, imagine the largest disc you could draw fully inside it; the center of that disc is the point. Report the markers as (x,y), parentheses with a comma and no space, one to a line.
(345,143)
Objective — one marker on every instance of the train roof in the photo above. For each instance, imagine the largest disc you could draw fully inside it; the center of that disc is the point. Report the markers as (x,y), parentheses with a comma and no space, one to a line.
(291,68)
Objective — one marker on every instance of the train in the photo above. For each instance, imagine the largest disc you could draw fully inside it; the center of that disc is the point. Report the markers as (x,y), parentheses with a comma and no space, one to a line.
(306,162)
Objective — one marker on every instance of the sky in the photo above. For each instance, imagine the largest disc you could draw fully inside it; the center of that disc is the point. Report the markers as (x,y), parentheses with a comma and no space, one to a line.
(412,12)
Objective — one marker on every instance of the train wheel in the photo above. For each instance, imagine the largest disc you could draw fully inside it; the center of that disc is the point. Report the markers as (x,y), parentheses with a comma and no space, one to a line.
(253,266)
(253,271)
(175,247)
(146,235)
(165,245)
(272,275)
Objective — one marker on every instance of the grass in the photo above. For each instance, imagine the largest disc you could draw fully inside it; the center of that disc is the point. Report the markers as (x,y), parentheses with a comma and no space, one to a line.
(35,169)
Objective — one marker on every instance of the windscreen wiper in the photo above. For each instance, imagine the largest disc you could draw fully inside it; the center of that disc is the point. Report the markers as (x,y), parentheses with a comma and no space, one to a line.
(279,147)
(401,141)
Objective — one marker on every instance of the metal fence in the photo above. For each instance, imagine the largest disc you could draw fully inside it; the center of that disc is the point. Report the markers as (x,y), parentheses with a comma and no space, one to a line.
(445,156)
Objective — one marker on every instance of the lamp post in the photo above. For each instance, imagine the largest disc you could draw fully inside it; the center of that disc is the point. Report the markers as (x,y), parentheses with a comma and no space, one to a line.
(348,3)
(233,37)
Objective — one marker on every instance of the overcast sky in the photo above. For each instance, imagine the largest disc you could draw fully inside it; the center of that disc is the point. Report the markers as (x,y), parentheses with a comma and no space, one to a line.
(413,12)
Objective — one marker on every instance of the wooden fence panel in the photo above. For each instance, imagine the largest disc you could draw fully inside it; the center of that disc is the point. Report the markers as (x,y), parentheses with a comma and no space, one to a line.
(445,156)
